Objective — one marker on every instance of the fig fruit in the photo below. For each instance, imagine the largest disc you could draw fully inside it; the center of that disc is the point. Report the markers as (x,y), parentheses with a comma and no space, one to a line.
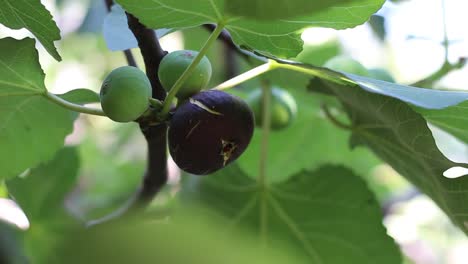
(174,64)
(125,94)
(346,64)
(209,131)
(283,108)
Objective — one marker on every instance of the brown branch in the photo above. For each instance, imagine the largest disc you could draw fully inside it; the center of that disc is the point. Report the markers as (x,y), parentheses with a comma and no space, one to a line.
(151,51)
(155,176)
(156,172)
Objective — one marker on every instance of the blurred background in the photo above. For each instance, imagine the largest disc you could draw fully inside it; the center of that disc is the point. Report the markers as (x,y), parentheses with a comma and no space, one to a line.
(405,38)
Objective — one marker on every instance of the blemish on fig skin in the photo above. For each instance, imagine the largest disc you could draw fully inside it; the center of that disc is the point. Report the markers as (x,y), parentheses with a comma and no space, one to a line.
(204,107)
(192,129)
(226,151)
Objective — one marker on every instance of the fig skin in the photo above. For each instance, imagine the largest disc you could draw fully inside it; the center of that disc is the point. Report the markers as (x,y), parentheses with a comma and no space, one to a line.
(209,131)
(125,94)
(174,64)
(283,108)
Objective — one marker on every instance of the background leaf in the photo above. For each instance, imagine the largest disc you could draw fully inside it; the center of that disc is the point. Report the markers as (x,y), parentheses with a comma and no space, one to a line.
(117,34)
(32,15)
(41,192)
(313,211)
(32,128)
(400,136)
(452,119)
(81,96)
(187,238)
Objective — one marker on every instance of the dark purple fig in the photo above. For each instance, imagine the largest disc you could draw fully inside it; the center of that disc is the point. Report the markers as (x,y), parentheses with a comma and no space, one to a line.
(210,130)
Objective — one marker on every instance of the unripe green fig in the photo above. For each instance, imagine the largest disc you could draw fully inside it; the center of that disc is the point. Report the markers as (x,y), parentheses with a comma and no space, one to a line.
(346,64)
(381,74)
(125,94)
(208,131)
(174,64)
(283,108)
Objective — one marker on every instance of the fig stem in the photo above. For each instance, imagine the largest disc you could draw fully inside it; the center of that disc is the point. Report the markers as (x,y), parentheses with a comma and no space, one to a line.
(186,74)
(333,119)
(155,103)
(71,106)
(259,70)
(262,181)
(318,72)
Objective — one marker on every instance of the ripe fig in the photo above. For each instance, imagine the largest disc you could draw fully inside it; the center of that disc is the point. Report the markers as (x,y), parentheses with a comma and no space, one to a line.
(346,64)
(209,131)
(283,108)
(174,64)
(125,93)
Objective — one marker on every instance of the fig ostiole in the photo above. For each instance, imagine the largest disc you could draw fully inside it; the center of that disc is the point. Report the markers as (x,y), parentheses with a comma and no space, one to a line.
(208,131)
(125,94)
(283,108)
(175,63)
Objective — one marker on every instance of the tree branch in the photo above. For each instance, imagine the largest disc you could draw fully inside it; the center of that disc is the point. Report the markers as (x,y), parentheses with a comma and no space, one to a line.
(151,51)
(445,69)
(155,176)
(156,171)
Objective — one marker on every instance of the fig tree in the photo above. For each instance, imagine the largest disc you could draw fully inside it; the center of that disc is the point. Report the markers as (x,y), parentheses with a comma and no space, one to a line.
(125,94)
(346,64)
(174,64)
(209,130)
(283,108)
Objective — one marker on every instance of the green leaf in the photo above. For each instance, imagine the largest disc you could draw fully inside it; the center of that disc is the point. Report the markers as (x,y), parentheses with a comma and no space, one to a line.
(81,96)
(318,54)
(185,238)
(319,212)
(400,136)
(112,174)
(452,119)
(420,97)
(267,9)
(41,193)
(32,128)
(32,15)
(279,37)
